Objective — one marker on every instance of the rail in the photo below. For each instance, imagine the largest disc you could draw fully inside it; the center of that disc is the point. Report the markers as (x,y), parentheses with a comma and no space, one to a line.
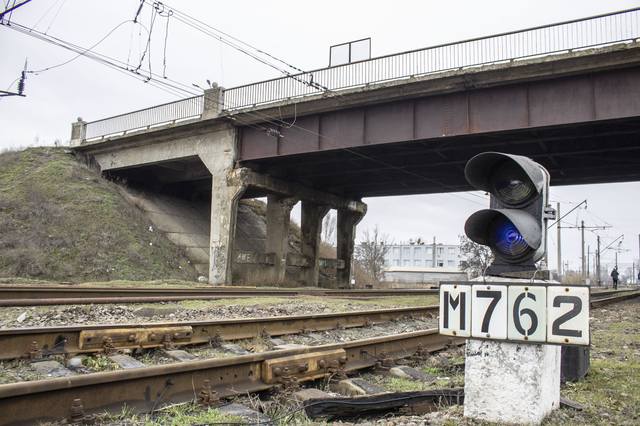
(584,33)
(41,341)
(146,389)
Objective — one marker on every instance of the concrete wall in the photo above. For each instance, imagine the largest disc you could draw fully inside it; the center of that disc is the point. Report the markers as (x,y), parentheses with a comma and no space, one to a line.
(186,224)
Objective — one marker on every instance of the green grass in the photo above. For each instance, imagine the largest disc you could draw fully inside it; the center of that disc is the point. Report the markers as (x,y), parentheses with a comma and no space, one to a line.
(176,415)
(62,221)
(610,393)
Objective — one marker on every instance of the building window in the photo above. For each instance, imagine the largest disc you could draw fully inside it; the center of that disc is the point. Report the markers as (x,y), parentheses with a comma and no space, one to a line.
(405,262)
(428,263)
(406,252)
(452,251)
(396,262)
(429,252)
(417,251)
(396,251)
(451,263)
(440,251)
(417,262)
(440,264)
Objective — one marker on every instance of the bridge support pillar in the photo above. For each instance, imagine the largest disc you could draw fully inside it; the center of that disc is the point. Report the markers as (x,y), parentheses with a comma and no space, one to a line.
(311,225)
(346,234)
(224,211)
(278,220)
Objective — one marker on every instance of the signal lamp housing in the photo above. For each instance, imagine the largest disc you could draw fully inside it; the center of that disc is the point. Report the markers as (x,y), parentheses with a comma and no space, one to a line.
(515,225)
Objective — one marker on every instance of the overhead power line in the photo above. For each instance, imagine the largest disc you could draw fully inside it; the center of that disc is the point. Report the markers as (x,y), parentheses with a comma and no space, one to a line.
(171,86)
(237,44)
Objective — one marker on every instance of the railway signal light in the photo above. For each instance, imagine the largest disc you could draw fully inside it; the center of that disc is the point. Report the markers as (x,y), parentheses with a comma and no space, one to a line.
(515,225)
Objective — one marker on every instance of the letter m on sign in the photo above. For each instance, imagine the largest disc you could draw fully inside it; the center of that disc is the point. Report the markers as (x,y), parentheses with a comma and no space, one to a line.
(455,310)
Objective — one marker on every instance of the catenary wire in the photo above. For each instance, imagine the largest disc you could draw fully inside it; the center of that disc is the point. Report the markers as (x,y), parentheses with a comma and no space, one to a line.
(55,16)
(167,83)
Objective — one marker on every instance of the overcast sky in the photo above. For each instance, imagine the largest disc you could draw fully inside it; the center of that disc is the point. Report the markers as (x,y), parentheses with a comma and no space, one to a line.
(300,33)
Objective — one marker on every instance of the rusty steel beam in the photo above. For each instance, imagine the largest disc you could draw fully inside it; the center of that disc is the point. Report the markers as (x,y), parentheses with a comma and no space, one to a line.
(146,389)
(35,342)
(570,100)
(60,292)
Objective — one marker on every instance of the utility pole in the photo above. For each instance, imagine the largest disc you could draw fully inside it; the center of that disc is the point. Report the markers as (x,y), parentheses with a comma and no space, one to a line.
(588,255)
(560,243)
(598,262)
(584,275)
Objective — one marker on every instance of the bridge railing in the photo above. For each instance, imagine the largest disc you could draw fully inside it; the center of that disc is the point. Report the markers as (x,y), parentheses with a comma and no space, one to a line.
(142,119)
(595,31)
(565,36)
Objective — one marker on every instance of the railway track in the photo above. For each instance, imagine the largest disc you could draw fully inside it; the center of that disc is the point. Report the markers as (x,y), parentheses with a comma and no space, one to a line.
(73,295)
(70,295)
(145,389)
(40,341)
(614,296)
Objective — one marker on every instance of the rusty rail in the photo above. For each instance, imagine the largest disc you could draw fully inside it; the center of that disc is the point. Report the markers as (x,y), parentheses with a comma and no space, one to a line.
(37,342)
(22,295)
(608,299)
(73,295)
(148,388)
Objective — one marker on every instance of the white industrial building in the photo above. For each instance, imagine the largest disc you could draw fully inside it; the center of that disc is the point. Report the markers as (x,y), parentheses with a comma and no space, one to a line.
(420,263)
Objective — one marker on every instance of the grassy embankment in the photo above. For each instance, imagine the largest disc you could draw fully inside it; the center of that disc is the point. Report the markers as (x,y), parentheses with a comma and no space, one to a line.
(61,221)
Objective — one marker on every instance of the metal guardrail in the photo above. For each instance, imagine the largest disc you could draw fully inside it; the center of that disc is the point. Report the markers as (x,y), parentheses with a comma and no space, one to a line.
(538,41)
(595,31)
(145,118)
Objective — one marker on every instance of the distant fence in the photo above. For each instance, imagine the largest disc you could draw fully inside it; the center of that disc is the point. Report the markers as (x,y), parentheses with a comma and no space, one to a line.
(595,31)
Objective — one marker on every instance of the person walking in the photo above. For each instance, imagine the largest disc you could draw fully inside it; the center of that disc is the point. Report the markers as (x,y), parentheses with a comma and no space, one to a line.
(614,277)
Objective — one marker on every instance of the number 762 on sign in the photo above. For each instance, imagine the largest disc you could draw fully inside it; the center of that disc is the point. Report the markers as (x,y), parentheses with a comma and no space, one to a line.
(553,313)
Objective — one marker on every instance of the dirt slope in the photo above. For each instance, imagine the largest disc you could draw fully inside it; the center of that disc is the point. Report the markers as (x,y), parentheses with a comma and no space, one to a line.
(59,220)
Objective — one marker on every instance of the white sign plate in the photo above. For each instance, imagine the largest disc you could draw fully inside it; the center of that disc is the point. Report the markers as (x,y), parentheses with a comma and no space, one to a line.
(527,313)
(553,313)
(568,315)
(489,311)
(455,310)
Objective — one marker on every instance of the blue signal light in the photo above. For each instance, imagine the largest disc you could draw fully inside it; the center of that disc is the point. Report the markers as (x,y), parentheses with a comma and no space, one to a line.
(506,238)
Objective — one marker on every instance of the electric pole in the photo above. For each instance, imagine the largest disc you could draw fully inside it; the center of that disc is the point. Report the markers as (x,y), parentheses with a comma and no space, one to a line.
(588,255)
(598,262)
(560,243)
(582,228)
(583,259)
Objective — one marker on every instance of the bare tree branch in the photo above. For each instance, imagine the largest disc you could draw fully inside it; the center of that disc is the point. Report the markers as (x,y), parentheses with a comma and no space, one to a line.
(477,257)
(370,253)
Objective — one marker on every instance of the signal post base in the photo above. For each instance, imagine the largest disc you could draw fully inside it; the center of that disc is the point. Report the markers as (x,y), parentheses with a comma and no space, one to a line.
(509,382)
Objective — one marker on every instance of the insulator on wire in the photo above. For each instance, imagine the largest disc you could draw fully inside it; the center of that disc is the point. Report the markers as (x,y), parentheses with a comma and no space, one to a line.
(23,77)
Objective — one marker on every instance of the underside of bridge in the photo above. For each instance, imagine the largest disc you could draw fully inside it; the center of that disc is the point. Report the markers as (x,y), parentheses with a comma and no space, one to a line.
(582,153)
(264,249)
(579,117)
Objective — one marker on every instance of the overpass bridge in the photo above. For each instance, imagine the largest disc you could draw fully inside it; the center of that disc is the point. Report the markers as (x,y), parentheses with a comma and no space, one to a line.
(567,95)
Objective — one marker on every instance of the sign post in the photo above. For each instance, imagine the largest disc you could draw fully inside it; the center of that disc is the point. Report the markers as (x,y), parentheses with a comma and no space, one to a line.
(515,324)
(515,327)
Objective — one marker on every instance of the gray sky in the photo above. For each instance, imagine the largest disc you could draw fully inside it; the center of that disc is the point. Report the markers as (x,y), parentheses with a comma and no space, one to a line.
(300,33)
